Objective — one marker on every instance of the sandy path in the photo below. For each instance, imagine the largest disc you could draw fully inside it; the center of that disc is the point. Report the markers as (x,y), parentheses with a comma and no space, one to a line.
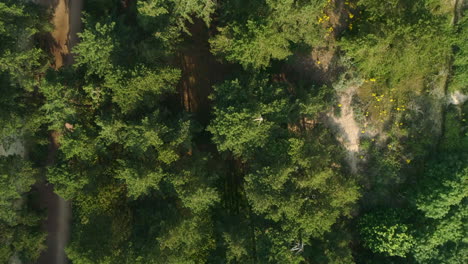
(348,127)
(67,23)
(60,34)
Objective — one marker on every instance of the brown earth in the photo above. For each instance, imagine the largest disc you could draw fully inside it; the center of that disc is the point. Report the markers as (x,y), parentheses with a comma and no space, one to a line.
(60,34)
(349,132)
(200,71)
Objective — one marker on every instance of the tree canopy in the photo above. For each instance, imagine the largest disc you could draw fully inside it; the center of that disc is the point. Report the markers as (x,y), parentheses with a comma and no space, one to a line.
(331,132)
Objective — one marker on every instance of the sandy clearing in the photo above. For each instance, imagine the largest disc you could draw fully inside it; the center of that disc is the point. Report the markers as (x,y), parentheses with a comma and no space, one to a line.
(457,98)
(15,148)
(349,129)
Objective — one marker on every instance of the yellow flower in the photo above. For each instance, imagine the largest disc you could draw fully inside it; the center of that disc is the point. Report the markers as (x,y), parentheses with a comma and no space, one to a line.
(373,94)
(351,15)
(318,62)
(408,161)
(401,124)
(398,108)
(372,80)
(339,105)
(363,131)
(391,100)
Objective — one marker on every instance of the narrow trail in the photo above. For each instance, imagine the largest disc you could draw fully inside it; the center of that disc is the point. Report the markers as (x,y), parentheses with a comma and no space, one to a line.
(60,34)
(348,127)
(67,23)
(200,71)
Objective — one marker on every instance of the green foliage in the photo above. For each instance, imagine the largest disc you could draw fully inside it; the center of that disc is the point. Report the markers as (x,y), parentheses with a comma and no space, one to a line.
(95,50)
(180,11)
(287,176)
(405,30)
(19,235)
(460,63)
(445,185)
(20,62)
(166,20)
(436,208)
(267,34)
(442,238)
(17,176)
(143,84)
(237,126)
(266,180)
(187,242)
(333,248)
(254,49)
(18,57)
(384,232)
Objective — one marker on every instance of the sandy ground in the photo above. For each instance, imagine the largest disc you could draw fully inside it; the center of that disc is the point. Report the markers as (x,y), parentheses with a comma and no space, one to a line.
(348,126)
(67,23)
(457,98)
(60,33)
(16,148)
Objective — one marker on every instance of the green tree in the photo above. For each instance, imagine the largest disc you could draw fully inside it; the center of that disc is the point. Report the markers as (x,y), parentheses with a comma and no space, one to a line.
(19,225)
(445,185)
(20,63)
(384,232)
(253,39)
(460,64)
(287,177)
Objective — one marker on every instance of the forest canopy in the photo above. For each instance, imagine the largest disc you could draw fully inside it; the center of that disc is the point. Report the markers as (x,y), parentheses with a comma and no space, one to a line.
(234,131)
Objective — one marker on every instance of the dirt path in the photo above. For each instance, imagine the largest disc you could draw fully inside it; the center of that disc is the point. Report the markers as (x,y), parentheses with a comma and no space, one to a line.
(67,23)
(58,214)
(60,33)
(348,127)
(200,71)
